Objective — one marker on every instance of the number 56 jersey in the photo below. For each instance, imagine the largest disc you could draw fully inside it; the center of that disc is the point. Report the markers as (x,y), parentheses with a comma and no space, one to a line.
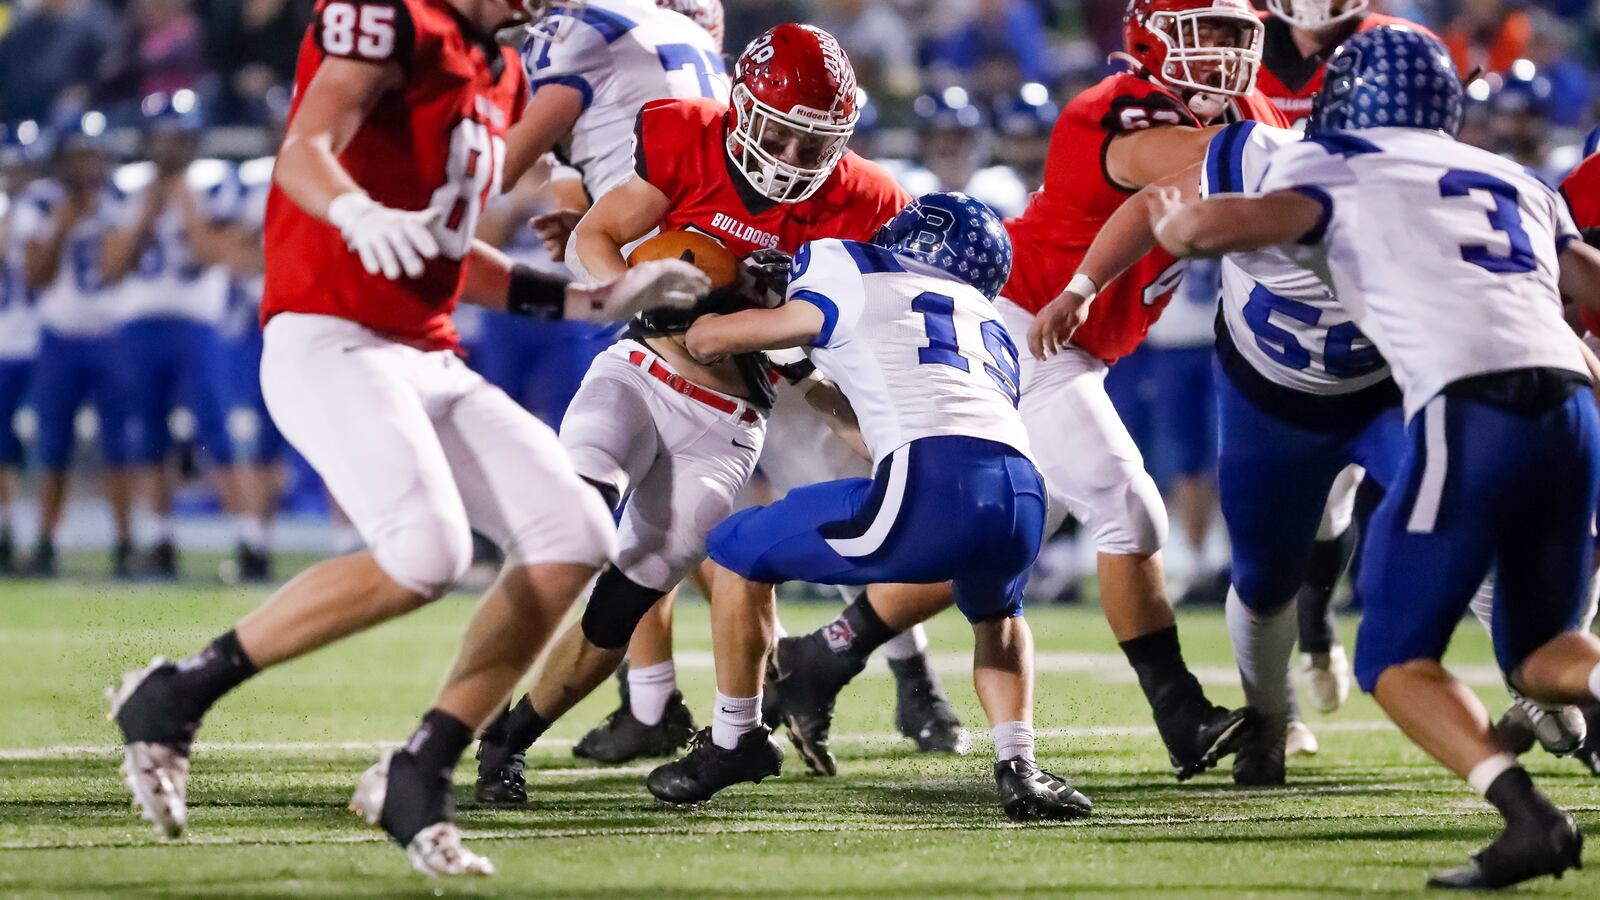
(437,141)
(918,353)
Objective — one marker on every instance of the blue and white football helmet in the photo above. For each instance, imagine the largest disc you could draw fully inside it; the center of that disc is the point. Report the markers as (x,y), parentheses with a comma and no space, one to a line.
(955,233)
(1392,77)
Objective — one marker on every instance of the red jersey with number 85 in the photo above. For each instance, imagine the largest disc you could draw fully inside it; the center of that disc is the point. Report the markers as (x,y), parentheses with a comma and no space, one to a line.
(1053,234)
(435,142)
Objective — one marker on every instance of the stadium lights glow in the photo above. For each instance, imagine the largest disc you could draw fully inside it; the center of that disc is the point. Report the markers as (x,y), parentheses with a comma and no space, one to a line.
(94,123)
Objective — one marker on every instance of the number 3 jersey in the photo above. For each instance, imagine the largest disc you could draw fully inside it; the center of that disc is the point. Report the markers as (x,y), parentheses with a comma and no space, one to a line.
(1445,255)
(918,353)
(436,141)
(1280,317)
(619,55)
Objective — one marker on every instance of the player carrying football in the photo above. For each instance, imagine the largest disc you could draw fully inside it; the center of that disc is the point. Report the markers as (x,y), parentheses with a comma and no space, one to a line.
(394,143)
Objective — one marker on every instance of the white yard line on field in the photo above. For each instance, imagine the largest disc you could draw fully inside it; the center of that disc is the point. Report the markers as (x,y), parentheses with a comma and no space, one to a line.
(108,751)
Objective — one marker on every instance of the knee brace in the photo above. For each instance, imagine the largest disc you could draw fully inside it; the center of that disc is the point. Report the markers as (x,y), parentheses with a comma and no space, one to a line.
(615,608)
(427,555)
(1132,518)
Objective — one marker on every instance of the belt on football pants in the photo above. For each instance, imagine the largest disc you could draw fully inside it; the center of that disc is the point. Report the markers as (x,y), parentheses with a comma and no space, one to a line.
(691,390)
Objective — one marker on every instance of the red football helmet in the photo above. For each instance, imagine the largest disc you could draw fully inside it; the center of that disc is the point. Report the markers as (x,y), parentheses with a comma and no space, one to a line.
(705,13)
(794,106)
(1212,46)
(1316,14)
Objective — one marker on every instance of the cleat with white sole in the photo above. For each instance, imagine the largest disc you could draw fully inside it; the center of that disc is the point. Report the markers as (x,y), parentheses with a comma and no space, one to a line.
(1328,678)
(435,851)
(156,773)
(1560,730)
(1300,741)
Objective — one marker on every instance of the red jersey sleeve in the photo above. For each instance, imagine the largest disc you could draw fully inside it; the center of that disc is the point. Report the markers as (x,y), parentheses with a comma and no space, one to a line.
(870,197)
(375,31)
(1582,192)
(666,137)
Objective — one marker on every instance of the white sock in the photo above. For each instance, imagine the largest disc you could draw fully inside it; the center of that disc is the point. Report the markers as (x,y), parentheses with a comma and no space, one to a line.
(911,642)
(1483,774)
(1594,682)
(1483,604)
(649,689)
(1263,644)
(1013,740)
(732,718)
(251,531)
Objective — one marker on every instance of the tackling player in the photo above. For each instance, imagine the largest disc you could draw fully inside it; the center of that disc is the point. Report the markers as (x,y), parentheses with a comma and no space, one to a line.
(767,173)
(1502,460)
(394,143)
(906,327)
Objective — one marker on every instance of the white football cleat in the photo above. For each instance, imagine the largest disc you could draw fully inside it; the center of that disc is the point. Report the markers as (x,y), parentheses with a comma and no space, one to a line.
(1299,741)
(156,774)
(436,850)
(1328,678)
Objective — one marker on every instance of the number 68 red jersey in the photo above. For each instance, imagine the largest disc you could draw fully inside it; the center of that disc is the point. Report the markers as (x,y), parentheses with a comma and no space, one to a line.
(438,141)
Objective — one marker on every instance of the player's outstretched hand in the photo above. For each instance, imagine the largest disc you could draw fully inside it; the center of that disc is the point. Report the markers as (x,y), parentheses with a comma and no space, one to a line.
(390,241)
(1164,207)
(553,229)
(659,282)
(1054,326)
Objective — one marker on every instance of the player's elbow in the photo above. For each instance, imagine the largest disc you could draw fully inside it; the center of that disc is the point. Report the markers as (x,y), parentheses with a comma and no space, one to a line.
(705,342)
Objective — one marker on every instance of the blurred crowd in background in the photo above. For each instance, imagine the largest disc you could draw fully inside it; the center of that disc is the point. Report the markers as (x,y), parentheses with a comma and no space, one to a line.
(962,95)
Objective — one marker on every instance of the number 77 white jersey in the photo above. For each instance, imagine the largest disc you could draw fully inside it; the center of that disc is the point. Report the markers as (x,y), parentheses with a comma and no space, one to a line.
(918,353)
(619,54)
(1445,255)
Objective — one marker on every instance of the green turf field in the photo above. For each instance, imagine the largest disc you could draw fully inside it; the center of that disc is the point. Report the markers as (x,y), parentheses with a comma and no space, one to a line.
(277,761)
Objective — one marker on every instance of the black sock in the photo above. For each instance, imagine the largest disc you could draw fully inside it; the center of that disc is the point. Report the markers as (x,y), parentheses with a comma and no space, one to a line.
(857,632)
(1168,684)
(519,727)
(438,742)
(1513,794)
(419,792)
(204,677)
(1315,599)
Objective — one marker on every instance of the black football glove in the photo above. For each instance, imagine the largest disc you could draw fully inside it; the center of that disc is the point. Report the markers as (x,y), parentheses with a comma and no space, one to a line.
(764,278)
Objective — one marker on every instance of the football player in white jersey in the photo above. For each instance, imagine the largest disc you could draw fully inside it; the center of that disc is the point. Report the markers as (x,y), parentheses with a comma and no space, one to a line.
(1302,394)
(166,256)
(19,324)
(906,327)
(1454,262)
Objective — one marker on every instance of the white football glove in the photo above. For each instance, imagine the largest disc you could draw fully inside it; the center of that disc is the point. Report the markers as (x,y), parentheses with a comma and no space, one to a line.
(659,282)
(387,240)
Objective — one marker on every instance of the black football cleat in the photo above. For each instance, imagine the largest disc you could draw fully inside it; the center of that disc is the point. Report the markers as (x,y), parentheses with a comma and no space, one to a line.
(808,677)
(1201,742)
(8,553)
(255,566)
(1521,853)
(1259,761)
(123,560)
(1588,753)
(156,738)
(162,561)
(708,768)
(43,562)
(1030,794)
(922,711)
(622,738)
(501,781)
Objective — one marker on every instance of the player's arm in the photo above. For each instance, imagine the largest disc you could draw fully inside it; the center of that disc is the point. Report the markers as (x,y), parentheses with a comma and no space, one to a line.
(713,337)
(213,242)
(825,397)
(1232,224)
(1580,274)
(1137,159)
(41,258)
(626,213)
(1124,240)
(548,117)
(119,251)
(494,281)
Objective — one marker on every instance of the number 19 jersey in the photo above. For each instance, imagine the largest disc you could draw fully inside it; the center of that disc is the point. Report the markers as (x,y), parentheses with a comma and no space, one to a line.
(619,55)
(437,141)
(918,353)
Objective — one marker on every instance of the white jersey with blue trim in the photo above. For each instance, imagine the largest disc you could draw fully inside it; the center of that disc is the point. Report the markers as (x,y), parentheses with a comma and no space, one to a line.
(19,319)
(1282,318)
(918,353)
(77,302)
(167,281)
(252,182)
(619,54)
(1446,256)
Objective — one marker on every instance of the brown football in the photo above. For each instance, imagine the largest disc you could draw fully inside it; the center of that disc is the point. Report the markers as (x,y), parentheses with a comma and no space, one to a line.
(694,248)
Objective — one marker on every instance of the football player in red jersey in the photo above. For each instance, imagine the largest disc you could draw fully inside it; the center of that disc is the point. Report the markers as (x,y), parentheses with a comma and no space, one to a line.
(1300,36)
(394,142)
(1196,63)
(763,175)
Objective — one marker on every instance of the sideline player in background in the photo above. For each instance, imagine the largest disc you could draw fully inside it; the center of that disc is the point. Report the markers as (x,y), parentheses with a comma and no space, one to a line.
(906,328)
(19,325)
(394,142)
(768,173)
(1502,463)
(60,223)
(167,257)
